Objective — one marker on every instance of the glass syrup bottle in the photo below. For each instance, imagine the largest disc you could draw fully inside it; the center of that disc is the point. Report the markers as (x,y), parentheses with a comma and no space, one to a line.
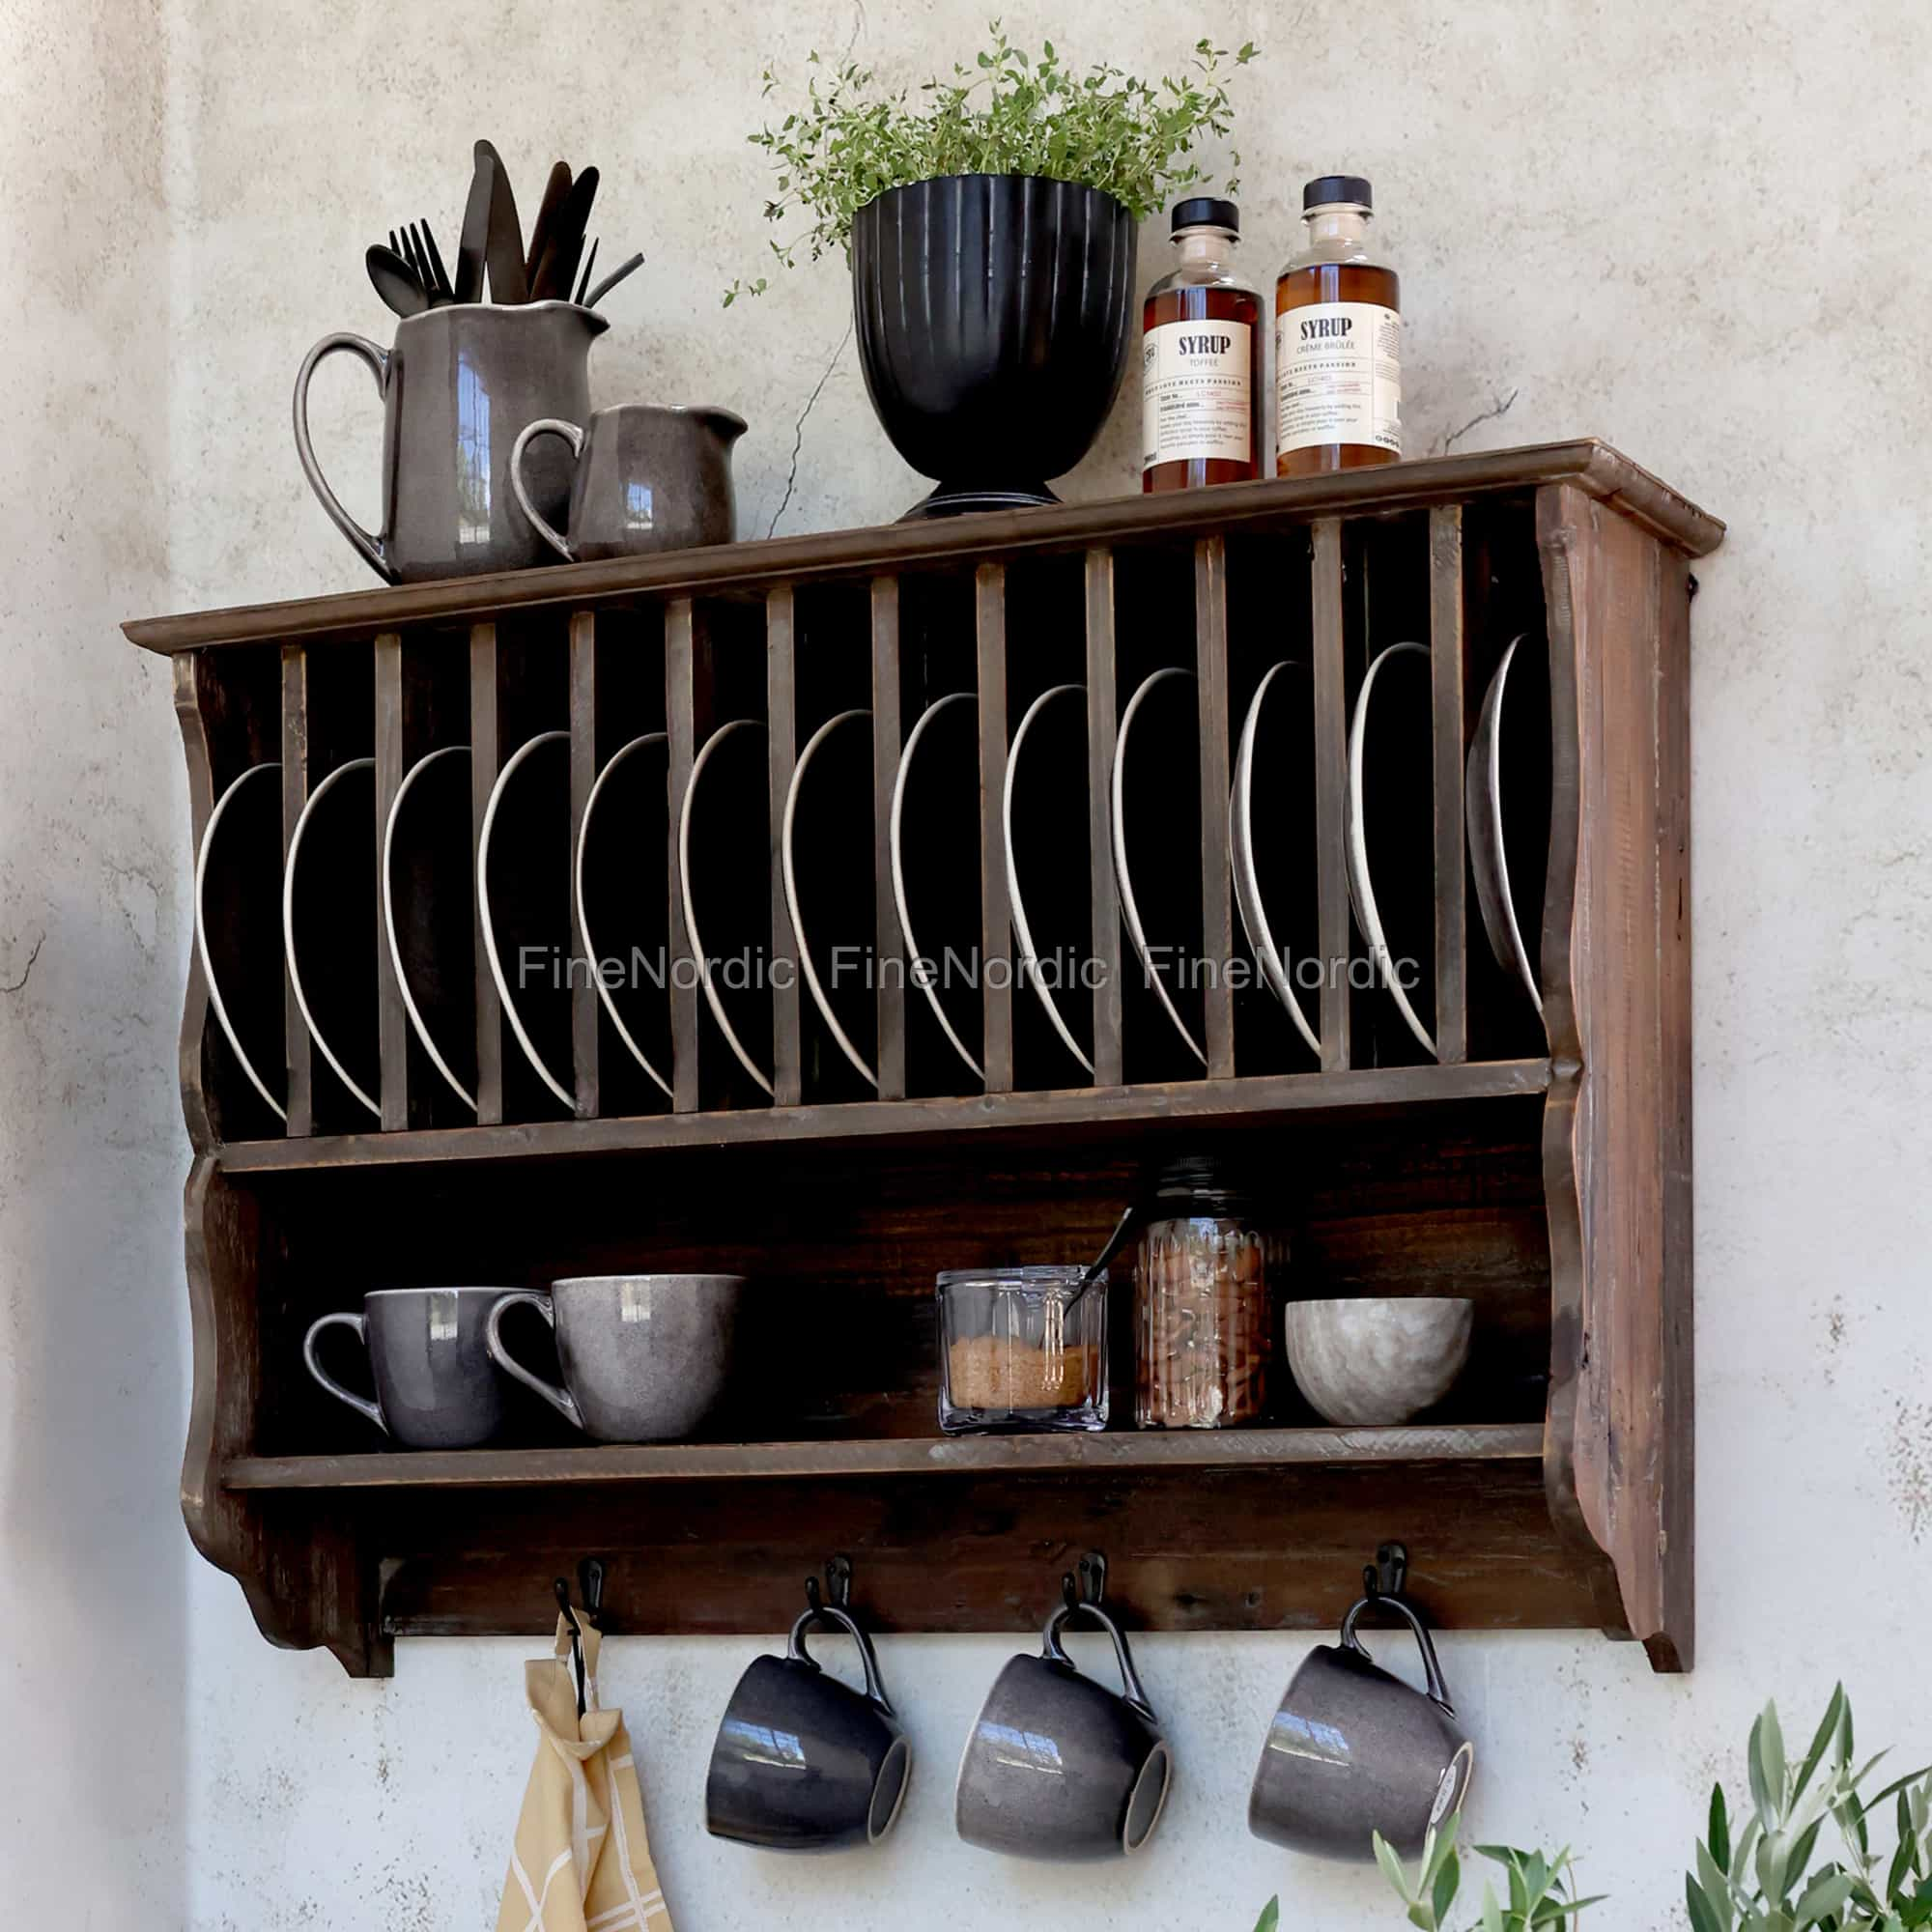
(1200,360)
(1337,340)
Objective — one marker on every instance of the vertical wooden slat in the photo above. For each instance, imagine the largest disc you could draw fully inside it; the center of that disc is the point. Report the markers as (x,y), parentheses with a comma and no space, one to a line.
(989,616)
(781,733)
(393,1024)
(583,1004)
(1331,786)
(294,795)
(888,942)
(485,748)
(1217,928)
(1104,889)
(1447,673)
(681,728)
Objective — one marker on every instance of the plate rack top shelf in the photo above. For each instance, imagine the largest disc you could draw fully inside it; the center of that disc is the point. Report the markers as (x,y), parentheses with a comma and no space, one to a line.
(1542,1155)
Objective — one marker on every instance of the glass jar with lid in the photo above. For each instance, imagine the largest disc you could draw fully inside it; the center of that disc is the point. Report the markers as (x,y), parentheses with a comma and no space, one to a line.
(1021,1348)
(1204,1321)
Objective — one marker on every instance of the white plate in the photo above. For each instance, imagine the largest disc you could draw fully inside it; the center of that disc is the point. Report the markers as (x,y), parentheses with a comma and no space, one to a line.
(1489,857)
(925,984)
(1130,912)
(790,870)
(417,1020)
(315,797)
(1361,889)
(1028,956)
(704,975)
(511,765)
(214,999)
(590,953)
(1241,860)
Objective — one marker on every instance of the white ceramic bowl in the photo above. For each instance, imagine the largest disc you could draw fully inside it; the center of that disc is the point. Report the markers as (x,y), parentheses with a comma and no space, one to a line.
(1367,1363)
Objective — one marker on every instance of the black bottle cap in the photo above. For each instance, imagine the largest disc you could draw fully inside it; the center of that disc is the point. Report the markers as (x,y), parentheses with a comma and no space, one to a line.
(1204,211)
(1326,190)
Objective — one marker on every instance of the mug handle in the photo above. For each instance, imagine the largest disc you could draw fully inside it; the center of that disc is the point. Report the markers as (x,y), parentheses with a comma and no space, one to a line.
(1439,1691)
(368,547)
(831,1614)
(1055,1651)
(543,426)
(559,1399)
(360,1404)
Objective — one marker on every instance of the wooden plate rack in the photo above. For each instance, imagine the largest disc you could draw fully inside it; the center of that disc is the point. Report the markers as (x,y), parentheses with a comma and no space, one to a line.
(1540,1166)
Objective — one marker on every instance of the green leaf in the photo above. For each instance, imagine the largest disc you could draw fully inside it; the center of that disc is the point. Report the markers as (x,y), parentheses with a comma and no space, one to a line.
(1493,1913)
(1767,1767)
(1823,1897)
(1271,1917)
(1392,1869)
(1443,1894)
(1829,1727)
(1702,1916)
(1716,1887)
(1720,1831)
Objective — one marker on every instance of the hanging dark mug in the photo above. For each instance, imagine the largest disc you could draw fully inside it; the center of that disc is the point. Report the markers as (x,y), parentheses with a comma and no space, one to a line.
(801,1761)
(1353,1751)
(1060,1767)
(460,382)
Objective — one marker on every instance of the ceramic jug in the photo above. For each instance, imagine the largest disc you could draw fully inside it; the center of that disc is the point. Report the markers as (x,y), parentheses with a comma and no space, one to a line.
(645,478)
(458,386)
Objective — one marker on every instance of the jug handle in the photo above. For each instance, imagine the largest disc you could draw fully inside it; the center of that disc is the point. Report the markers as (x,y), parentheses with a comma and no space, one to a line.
(831,1614)
(1439,1691)
(543,426)
(1055,1651)
(370,547)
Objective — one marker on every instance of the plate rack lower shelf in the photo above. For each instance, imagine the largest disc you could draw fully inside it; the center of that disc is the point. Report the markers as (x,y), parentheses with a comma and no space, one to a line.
(1258,1529)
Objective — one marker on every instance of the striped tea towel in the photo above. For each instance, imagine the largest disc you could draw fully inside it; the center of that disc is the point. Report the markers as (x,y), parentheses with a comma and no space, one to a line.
(582,1861)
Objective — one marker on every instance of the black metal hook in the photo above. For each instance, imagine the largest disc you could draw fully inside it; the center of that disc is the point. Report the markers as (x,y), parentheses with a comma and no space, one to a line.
(1093,1585)
(838,1582)
(1386,1575)
(591,1587)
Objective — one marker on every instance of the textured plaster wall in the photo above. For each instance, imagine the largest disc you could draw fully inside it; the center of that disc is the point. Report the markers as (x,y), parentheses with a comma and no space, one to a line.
(1701,232)
(94,1737)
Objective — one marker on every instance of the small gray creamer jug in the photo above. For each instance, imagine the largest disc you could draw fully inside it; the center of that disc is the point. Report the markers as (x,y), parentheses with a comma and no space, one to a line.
(647,478)
(461,382)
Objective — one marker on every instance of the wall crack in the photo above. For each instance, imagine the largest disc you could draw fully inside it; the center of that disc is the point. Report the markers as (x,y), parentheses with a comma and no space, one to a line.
(798,429)
(27,971)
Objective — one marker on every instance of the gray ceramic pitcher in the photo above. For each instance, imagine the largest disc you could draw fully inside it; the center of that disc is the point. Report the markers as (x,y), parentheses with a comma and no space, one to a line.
(461,382)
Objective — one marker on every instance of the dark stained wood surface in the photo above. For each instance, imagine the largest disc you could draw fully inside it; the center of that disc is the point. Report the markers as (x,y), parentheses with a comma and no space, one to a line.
(1217,909)
(956,1455)
(1448,660)
(1182,1104)
(996,947)
(1331,792)
(1593,467)
(781,740)
(888,942)
(1617,946)
(1551,1490)
(1101,723)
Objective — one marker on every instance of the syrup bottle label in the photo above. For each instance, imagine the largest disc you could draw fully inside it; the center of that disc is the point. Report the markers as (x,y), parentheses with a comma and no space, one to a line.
(1338,376)
(1196,389)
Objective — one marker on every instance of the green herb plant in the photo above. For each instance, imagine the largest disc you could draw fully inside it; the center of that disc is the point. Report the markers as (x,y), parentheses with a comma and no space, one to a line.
(1761,1879)
(1010,112)
(1540,1891)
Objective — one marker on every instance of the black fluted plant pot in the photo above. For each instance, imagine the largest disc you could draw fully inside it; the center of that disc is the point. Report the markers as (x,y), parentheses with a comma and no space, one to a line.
(993,314)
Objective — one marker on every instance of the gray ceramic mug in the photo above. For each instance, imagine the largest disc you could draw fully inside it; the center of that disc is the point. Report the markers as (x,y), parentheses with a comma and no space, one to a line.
(1060,1767)
(436,1385)
(645,1357)
(647,478)
(837,1777)
(1353,1751)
